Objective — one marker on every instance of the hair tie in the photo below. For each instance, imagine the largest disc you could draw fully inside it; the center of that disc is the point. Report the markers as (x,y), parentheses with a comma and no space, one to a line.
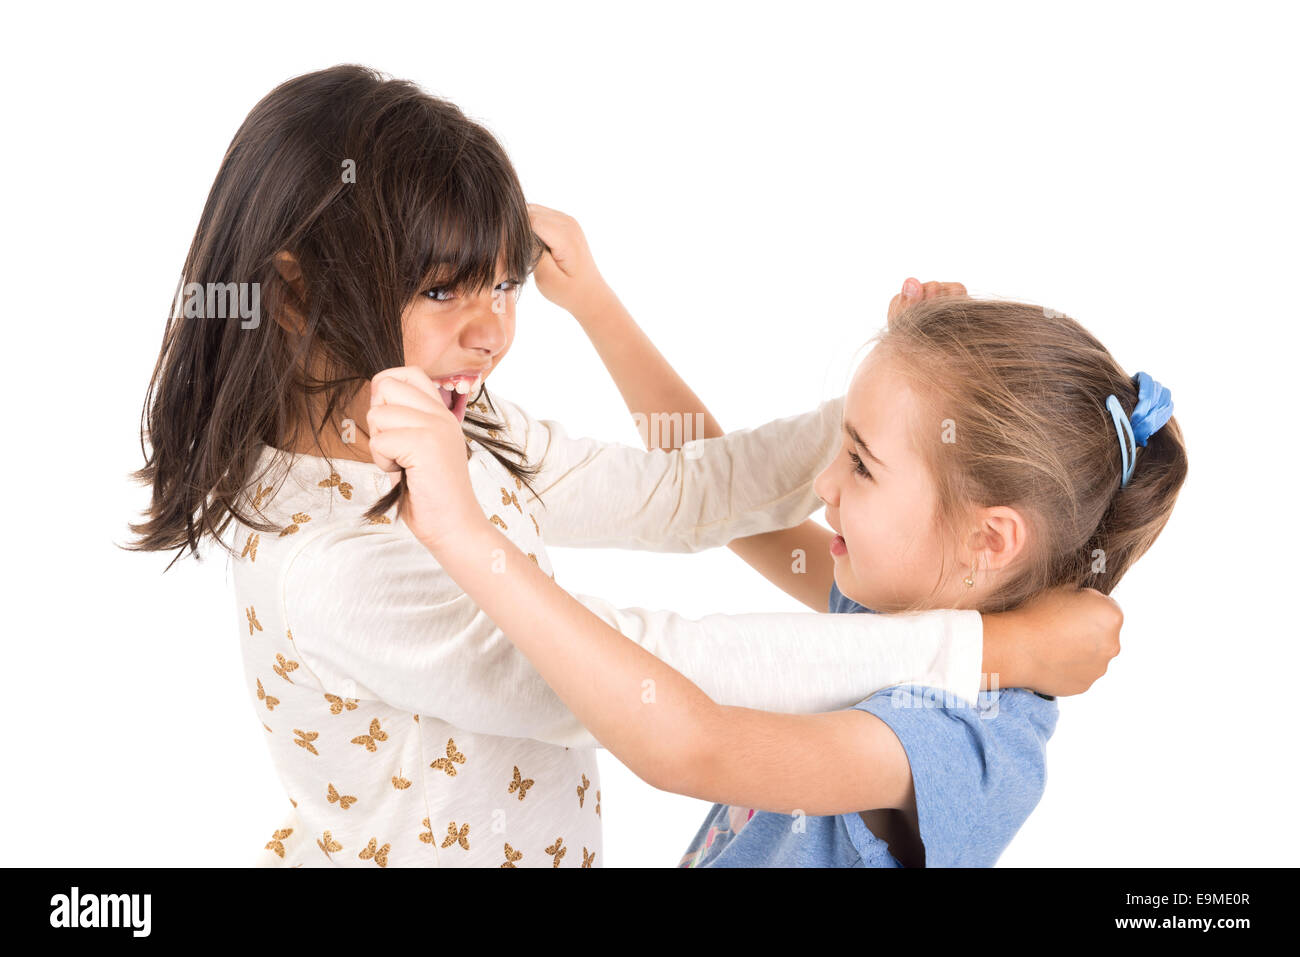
(1154,407)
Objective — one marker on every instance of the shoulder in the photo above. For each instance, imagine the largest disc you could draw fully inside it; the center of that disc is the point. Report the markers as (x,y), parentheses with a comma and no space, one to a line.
(352,568)
(1010,720)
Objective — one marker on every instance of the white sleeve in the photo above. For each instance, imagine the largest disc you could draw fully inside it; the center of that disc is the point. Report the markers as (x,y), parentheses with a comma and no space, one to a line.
(373,614)
(603,494)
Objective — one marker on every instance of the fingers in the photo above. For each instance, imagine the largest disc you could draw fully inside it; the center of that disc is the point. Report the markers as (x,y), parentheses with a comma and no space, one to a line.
(914,291)
(396,449)
(393,391)
(409,375)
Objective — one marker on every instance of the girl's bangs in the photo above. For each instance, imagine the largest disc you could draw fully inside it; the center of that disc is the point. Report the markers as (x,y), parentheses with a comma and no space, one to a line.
(469,235)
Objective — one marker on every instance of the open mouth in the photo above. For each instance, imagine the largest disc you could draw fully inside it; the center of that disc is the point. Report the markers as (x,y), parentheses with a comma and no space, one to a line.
(455,392)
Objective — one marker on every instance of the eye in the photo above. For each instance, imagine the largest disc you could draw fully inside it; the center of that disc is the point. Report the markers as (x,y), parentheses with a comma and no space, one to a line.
(858,466)
(439,294)
(510,285)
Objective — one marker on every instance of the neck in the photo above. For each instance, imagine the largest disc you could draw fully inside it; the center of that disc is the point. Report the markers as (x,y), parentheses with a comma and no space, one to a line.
(343,437)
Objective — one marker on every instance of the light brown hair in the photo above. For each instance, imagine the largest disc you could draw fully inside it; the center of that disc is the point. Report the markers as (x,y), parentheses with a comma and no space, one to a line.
(1021,392)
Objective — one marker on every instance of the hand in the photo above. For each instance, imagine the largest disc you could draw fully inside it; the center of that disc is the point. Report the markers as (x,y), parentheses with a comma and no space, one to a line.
(1065,639)
(913,291)
(411,428)
(567,275)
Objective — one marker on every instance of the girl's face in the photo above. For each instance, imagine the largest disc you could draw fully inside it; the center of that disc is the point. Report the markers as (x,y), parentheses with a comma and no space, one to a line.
(457,336)
(881,498)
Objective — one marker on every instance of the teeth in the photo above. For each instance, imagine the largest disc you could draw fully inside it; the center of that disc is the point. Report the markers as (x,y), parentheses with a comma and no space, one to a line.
(461,386)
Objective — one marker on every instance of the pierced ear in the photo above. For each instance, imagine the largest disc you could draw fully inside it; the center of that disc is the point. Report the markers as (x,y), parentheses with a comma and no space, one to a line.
(1001,537)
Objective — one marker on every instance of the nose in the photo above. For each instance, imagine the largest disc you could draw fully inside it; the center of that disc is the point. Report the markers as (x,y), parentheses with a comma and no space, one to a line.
(488,328)
(826,487)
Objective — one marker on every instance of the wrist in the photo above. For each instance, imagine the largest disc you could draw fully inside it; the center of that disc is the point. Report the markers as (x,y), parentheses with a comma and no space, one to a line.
(1005,663)
(596,304)
(456,537)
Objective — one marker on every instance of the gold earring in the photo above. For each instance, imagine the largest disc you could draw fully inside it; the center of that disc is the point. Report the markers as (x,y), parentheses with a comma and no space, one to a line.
(969,580)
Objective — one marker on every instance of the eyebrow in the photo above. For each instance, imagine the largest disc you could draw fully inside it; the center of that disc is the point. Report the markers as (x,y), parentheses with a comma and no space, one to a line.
(857,440)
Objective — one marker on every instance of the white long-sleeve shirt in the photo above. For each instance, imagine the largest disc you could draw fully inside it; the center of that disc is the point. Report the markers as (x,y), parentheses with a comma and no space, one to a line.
(408,730)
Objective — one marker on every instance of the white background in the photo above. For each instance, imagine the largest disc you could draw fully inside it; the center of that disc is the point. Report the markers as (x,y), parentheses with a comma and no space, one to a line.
(756,182)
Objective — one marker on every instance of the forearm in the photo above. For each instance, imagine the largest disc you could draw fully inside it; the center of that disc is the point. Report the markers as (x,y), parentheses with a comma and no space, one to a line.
(652,387)
(647,381)
(635,705)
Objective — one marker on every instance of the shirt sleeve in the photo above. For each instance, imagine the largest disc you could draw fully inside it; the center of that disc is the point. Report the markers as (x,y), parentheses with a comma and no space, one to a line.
(389,623)
(703,495)
(977,772)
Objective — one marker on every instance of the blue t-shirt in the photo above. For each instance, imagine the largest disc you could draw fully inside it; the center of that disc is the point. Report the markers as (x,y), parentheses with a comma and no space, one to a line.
(977,772)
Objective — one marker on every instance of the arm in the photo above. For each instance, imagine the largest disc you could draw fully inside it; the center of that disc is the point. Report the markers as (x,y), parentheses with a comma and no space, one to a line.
(601,494)
(796,560)
(373,613)
(661,724)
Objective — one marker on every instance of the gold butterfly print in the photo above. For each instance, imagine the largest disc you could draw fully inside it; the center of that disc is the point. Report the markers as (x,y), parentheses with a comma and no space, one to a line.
(378,854)
(521,785)
(534,558)
(379,520)
(344,801)
(582,789)
(518,483)
(282,667)
(293,802)
(535,528)
(598,802)
(496,520)
(508,498)
(557,851)
(263,696)
(588,861)
(416,718)
(460,837)
(264,724)
(337,704)
(449,763)
(274,844)
(252,620)
(427,836)
(250,547)
(328,844)
(511,856)
(307,738)
(334,481)
(369,740)
(495,433)
(298,519)
(478,407)
(400,783)
(257,502)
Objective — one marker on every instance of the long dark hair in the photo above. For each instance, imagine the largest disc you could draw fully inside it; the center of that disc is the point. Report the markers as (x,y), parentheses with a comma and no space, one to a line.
(374,187)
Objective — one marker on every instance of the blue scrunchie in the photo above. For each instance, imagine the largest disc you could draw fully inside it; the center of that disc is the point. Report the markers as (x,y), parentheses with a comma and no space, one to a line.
(1154,406)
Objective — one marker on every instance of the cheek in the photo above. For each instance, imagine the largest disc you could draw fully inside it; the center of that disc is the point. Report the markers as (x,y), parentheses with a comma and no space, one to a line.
(426,338)
(890,531)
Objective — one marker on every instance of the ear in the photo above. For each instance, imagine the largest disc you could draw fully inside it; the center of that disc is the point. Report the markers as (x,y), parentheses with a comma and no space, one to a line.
(287,266)
(1000,537)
